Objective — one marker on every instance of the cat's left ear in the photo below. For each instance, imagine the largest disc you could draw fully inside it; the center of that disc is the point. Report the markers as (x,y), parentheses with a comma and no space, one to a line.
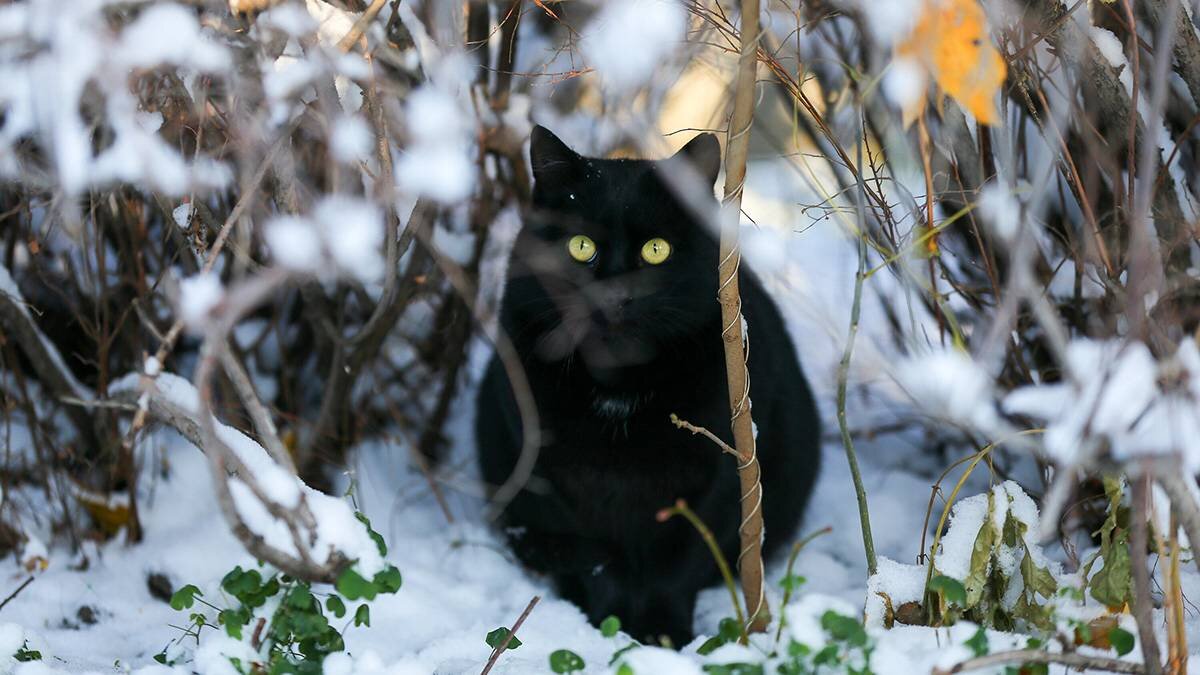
(549,158)
(704,154)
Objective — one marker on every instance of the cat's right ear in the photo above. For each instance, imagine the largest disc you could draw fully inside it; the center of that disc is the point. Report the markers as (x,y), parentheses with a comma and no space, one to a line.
(549,158)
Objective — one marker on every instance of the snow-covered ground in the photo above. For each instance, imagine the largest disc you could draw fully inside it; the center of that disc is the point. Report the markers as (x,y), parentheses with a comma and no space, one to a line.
(460,582)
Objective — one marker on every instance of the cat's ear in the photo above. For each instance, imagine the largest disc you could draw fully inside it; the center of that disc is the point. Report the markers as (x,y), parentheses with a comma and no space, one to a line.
(549,158)
(704,154)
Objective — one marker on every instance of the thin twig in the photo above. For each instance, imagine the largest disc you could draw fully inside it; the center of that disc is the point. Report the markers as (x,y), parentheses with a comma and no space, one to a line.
(17,592)
(1073,660)
(684,424)
(860,492)
(787,591)
(682,509)
(508,638)
(1143,611)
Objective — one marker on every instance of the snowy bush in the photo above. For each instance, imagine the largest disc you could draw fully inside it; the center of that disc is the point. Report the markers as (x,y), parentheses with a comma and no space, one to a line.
(251,255)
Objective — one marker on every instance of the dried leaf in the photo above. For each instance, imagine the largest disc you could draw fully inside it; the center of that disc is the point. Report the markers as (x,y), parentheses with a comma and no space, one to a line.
(110,513)
(981,556)
(889,614)
(1037,579)
(1096,632)
(951,42)
(911,614)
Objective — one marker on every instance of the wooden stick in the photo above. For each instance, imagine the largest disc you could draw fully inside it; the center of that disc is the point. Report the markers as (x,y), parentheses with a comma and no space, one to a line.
(487,667)
(1074,660)
(750,565)
(1143,611)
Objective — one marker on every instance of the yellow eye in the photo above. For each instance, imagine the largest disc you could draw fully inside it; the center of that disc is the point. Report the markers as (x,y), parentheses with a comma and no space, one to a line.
(656,251)
(582,248)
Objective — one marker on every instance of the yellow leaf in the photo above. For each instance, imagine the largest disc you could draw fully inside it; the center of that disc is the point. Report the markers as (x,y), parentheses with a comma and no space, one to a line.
(951,41)
(110,514)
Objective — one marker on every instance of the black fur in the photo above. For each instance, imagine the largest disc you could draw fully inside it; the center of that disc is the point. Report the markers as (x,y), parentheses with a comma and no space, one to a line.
(612,348)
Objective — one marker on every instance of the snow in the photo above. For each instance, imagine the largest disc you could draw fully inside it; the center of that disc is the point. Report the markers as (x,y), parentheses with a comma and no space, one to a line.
(182,215)
(890,21)
(342,230)
(170,34)
(353,232)
(904,83)
(294,243)
(437,163)
(1118,393)
(660,660)
(1000,210)
(350,139)
(949,384)
(44,88)
(198,296)
(337,529)
(804,617)
(288,18)
(628,40)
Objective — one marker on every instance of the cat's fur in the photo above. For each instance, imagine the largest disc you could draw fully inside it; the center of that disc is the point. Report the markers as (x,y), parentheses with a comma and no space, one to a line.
(611,349)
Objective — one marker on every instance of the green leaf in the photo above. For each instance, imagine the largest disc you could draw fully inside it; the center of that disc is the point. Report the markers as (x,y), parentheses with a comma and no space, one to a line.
(1121,640)
(300,598)
(362,616)
(951,589)
(617,654)
(353,586)
(792,582)
(496,638)
(334,604)
(978,644)
(565,661)
(184,598)
(379,542)
(734,669)
(729,630)
(827,655)
(610,626)
(234,620)
(25,654)
(710,645)
(1113,584)
(388,580)
(240,584)
(625,669)
(844,628)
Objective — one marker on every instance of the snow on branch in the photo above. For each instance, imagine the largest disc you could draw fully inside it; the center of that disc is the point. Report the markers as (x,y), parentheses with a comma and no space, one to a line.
(277,517)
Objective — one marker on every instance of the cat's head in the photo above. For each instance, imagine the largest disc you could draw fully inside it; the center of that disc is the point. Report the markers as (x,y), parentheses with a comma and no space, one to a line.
(614,263)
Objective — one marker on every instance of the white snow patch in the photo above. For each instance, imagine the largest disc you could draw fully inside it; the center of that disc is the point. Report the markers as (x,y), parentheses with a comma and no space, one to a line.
(198,295)
(350,139)
(628,40)
(949,384)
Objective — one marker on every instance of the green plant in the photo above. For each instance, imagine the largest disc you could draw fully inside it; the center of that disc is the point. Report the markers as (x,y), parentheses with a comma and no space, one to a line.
(497,637)
(847,649)
(983,595)
(297,634)
(566,661)
(25,654)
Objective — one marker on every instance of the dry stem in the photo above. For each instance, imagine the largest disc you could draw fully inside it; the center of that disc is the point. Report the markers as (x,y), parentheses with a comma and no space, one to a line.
(750,564)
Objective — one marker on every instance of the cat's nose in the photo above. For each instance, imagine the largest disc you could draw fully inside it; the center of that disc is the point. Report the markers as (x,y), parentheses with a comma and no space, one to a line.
(612,298)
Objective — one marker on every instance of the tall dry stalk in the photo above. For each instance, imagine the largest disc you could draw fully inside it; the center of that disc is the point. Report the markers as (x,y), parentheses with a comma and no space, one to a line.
(750,531)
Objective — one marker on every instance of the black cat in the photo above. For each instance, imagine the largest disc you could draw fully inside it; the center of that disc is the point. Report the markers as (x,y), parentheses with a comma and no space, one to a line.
(612,305)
